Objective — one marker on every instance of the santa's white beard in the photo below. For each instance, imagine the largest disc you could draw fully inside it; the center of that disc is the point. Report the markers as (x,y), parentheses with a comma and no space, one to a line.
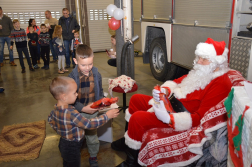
(197,79)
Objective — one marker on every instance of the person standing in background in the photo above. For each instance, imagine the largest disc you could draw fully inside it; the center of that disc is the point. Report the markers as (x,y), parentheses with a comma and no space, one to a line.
(32,43)
(18,36)
(69,25)
(112,52)
(75,42)
(32,22)
(5,30)
(44,38)
(50,23)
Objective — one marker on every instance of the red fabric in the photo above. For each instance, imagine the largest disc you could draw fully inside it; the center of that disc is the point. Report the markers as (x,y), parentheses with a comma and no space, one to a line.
(166,146)
(118,89)
(200,101)
(139,102)
(219,46)
(142,121)
(172,124)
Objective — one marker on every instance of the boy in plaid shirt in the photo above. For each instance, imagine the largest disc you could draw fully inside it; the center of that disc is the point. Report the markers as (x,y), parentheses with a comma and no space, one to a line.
(69,123)
(89,89)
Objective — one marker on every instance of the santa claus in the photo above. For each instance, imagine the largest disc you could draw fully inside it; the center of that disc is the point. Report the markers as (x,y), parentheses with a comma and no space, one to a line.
(204,87)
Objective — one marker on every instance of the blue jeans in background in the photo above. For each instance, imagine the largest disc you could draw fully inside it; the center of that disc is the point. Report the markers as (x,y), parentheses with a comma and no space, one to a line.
(2,42)
(67,44)
(52,48)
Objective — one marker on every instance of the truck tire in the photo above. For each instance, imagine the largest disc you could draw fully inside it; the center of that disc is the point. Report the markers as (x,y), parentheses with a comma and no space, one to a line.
(161,69)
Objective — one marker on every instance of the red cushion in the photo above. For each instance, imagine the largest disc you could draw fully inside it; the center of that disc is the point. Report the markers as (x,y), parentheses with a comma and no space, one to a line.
(118,89)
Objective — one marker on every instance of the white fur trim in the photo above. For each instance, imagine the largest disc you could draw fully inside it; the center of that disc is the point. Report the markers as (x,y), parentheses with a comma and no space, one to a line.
(206,50)
(131,143)
(171,84)
(150,109)
(151,102)
(182,120)
(178,93)
(127,115)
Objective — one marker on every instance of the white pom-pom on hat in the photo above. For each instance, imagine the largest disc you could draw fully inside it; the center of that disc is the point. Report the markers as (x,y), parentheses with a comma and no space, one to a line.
(213,50)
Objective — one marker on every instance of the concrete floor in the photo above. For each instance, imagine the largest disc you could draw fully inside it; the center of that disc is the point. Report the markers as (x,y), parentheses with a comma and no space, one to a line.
(27,99)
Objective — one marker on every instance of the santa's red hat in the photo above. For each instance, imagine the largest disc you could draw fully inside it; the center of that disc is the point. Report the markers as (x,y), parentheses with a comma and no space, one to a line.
(213,50)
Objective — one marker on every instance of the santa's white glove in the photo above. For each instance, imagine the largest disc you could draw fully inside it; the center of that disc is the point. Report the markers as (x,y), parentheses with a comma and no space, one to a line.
(161,112)
(155,94)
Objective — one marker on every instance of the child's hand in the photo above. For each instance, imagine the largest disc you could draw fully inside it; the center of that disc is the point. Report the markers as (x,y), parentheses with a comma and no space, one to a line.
(88,109)
(11,47)
(29,39)
(112,113)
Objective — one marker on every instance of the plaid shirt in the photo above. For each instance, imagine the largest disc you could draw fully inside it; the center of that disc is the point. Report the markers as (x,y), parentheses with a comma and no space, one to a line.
(70,124)
(86,94)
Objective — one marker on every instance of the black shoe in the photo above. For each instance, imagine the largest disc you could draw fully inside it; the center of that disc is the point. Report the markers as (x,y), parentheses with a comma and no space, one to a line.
(67,66)
(74,65)
(47,68)
(31,69)
(132,158)
(119,145)
(23,70)
(43,67)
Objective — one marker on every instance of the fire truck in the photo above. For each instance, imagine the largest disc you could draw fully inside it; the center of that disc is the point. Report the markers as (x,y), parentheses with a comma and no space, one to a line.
(171,29)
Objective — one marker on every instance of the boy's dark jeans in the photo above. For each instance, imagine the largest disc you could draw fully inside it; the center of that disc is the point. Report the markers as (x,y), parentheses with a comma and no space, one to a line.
(33,53)
(45,51)
(20,56)
(70,152)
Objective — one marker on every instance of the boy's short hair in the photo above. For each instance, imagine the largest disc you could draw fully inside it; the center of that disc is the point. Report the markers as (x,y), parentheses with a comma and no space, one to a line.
(113,36)
(30,26)
(42,25)
(59,85)
(77,32)
(83,51)
(15,21)
(65,9)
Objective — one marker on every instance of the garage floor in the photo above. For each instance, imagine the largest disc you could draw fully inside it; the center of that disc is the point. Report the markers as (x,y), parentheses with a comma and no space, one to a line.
(27,99)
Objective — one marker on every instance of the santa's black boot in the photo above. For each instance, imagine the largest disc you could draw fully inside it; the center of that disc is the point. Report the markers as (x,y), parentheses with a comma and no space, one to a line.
(132,158)
(119,145)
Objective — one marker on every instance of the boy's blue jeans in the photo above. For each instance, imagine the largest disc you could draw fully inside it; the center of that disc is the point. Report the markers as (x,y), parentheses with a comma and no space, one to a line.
(52,48)
(2,42)
(67,44)
(70,152)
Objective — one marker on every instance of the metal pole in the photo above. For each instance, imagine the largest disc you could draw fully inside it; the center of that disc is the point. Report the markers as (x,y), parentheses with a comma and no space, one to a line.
(119,40)
(78,17)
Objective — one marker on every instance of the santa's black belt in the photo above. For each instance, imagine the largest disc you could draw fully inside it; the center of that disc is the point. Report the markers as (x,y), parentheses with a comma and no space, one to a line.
(177,105)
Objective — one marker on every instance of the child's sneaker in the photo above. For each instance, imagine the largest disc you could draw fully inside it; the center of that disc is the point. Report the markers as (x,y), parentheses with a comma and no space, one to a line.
(36,67)
(23,70)
(43,67)
(65,70)
(31,69)
(60,72)
(93,162)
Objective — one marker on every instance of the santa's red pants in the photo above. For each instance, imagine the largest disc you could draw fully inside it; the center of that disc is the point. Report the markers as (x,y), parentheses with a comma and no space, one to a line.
(140,120)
